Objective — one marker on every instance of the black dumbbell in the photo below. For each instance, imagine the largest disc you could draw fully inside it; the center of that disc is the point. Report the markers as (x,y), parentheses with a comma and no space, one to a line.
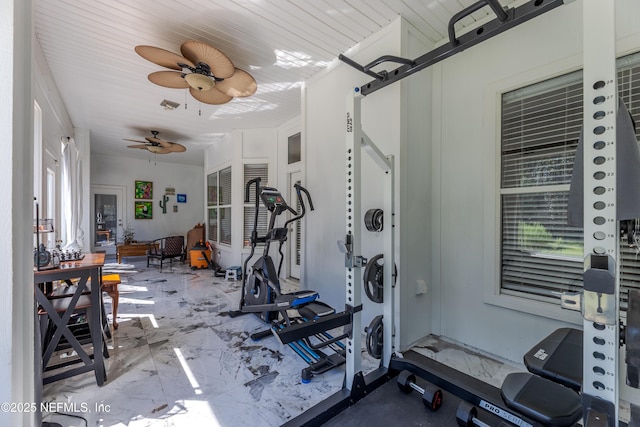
(467,416)
(431,396)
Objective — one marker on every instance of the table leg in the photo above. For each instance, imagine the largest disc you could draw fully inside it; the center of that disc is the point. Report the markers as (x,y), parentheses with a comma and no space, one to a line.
(96,328)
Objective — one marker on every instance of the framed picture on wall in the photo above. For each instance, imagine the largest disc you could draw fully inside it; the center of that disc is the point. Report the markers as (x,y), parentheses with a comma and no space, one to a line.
(144,190)
(143,210)
(181,198)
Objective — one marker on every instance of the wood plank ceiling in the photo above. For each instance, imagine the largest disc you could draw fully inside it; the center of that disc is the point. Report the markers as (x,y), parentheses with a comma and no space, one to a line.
(89,48)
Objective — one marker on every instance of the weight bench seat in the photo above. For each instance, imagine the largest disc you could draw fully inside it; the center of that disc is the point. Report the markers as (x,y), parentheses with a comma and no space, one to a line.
(315,310)
(296,299)
(541,399)
(558,357)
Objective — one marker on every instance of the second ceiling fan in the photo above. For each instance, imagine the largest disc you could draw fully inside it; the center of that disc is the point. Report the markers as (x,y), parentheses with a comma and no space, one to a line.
(157,145)
(208,73)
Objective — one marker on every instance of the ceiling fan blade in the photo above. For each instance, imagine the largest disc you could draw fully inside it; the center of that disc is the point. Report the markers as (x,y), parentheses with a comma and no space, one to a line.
(162,57)
(211,96)
(177,148)
(170,79)
(238,85)
(221,66)
(141,146)
(135,140)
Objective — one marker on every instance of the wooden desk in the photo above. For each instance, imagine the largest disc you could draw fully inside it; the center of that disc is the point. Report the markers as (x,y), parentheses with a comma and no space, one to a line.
(81,270)
(132,249)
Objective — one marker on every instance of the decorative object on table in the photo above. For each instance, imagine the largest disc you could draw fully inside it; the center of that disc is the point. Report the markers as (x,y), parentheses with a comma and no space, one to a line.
(144,190)
(181,198)
(163,203)
(42,258)
(143,210)
(128,234)
(208,73)
(157,145)
(99,221)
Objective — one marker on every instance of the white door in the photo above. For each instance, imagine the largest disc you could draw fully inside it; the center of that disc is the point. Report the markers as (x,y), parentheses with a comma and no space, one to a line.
(107,212)
(295,229)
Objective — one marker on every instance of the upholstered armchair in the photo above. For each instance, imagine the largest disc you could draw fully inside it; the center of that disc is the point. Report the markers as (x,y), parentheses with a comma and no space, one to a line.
(166,248)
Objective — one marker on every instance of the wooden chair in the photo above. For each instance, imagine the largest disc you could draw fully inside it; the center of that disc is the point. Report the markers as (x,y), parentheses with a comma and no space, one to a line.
(110,284)
(166,248)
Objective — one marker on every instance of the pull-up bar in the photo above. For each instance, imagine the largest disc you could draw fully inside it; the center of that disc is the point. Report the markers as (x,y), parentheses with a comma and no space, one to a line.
(505,19)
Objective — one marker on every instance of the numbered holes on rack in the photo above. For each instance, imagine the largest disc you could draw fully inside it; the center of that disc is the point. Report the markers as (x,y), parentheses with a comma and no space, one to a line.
(599,115)
(599,84)
(598,100)
(599,145)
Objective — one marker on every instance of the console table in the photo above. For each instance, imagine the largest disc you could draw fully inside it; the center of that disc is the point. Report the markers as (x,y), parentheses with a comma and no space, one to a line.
(83,270)
(132,249)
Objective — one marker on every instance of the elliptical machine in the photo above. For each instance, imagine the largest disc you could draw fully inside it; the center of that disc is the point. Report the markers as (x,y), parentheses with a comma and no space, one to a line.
(261,292)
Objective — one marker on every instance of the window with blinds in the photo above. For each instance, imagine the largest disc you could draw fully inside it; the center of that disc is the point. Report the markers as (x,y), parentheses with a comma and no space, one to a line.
(540,125)
(252,171)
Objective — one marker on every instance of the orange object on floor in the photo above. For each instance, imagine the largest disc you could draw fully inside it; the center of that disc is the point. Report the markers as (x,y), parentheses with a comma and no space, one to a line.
(199,258)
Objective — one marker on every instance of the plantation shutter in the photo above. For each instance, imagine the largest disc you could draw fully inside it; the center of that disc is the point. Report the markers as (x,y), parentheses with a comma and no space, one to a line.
(252,171)
(225,199)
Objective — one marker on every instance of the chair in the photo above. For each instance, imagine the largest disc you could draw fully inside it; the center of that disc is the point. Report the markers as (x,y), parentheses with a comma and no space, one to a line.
(110,284)
(166,248)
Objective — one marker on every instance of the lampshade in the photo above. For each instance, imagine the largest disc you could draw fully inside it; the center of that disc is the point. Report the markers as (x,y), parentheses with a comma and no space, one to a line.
(154,148)
(199,81)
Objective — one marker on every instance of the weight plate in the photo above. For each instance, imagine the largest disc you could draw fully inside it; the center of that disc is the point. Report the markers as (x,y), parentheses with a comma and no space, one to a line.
(374,340)
(373,278)
(373,220)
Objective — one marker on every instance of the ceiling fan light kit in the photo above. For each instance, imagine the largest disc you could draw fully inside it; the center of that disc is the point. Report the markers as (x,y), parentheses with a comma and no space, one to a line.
(199,81)
(208,73)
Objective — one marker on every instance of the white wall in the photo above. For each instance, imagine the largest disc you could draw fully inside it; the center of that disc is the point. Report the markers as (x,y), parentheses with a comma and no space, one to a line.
(16,171)
(397,119)
(186,179)
(466,100)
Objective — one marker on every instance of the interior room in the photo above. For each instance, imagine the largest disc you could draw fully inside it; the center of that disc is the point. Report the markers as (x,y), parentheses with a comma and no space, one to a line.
(287,149)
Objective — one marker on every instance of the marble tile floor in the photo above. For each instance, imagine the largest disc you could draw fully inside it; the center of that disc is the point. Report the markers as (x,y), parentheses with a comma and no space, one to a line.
(177,359)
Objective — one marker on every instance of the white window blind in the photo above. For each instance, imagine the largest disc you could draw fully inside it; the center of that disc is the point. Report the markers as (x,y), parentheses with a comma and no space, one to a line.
(541,255)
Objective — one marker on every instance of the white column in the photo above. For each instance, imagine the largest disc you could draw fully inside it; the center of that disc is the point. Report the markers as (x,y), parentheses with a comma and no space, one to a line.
(601,299)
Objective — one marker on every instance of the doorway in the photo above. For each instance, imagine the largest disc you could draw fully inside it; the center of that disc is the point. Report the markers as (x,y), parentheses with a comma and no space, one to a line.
(107,210)
(295,231)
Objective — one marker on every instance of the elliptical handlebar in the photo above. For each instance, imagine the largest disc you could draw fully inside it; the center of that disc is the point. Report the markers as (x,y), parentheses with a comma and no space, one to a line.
(299,190)
(247,189)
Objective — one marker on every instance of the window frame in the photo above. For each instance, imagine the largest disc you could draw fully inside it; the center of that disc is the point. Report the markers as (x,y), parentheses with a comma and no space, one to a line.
(494,294)
(219,206)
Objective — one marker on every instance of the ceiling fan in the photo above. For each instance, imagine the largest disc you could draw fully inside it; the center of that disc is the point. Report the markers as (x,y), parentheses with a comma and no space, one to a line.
(157,145)
(208,73)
